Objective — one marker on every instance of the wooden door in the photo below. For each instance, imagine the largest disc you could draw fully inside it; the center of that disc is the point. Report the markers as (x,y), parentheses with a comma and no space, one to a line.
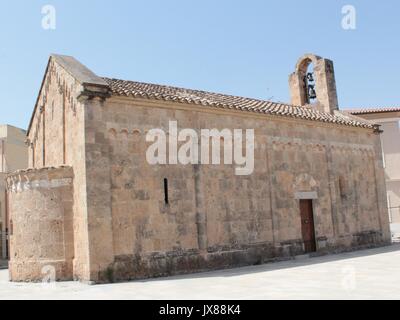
(307,225)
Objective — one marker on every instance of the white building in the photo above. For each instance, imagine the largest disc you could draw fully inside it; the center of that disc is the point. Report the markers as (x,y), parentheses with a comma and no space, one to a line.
(389,120)
(13,156)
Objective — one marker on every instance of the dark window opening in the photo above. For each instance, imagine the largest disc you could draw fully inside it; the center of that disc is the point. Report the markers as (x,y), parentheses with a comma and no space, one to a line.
(342,186)
(11,231)
(166,191)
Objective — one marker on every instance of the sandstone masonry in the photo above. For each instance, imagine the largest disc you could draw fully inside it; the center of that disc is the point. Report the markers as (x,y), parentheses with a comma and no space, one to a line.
(101,214)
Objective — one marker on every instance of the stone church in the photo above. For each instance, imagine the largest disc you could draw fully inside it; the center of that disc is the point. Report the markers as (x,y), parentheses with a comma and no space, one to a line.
(92,208)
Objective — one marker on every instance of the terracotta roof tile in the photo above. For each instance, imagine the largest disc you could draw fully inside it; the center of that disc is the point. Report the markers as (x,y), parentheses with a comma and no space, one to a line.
(198,97)
(373,110)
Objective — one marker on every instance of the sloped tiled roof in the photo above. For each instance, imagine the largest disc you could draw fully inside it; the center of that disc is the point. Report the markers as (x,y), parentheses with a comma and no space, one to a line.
(223,101)
(374,110)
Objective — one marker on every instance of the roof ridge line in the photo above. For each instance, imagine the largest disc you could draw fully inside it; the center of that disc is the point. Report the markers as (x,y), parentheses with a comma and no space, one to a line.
(201,91)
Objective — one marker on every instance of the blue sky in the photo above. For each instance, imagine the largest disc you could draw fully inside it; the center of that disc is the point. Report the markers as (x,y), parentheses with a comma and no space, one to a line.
(239,47)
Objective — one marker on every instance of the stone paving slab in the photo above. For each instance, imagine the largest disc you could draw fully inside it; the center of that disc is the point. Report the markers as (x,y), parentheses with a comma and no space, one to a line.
(369,274)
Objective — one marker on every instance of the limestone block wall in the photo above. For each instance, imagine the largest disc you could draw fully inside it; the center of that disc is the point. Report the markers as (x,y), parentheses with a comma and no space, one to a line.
(41,224)
(57,138)
(215,219)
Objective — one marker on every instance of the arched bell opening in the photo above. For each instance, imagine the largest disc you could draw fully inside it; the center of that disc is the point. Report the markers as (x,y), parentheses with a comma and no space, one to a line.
(305,71)
(309,84)
(313,83)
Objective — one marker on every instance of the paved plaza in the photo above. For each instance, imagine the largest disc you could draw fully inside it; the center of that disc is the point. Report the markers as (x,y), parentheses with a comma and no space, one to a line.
(367,274)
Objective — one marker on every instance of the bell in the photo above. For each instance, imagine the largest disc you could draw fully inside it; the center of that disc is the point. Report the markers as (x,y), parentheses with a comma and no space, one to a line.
(310,77)
(311,92)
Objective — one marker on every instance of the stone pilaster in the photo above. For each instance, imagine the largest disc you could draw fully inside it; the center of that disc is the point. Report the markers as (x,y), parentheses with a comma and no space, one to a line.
(201,216)
(380,187)
(332,191)
(98,177)
(326,85)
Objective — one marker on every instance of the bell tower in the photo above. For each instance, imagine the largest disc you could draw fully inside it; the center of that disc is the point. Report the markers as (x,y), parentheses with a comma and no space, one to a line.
(316,87)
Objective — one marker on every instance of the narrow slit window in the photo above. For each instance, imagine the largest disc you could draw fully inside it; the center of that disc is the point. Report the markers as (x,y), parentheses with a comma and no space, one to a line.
(166,191)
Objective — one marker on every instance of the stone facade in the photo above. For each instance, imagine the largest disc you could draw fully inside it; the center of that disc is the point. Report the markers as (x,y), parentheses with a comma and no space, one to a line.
(41,225)
(123,228)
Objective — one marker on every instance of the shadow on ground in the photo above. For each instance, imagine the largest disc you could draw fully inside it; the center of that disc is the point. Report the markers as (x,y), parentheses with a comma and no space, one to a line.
(298,262)
(272,266)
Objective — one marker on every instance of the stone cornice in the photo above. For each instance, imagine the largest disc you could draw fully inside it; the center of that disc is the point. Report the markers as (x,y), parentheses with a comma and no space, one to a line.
(339,146)
(142,102)
(39,178)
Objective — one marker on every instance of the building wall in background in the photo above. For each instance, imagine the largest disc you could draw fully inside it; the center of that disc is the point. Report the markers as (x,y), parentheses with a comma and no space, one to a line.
(13,156)
(390,125)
